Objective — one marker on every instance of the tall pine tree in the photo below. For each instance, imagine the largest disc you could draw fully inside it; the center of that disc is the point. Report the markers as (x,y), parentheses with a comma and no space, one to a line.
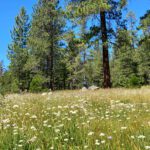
(105,11)
(18,51)
(124,67)
(46,38)
(143,53)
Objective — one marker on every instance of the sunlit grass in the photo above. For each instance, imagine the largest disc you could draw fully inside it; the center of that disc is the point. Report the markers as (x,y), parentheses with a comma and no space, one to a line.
(116,119)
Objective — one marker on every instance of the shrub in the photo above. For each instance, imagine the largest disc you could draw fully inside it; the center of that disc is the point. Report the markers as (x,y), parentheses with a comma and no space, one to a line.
(15,86)
(36,84)
(134,81)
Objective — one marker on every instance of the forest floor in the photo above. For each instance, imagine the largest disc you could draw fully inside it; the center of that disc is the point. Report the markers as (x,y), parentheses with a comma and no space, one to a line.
(115,119)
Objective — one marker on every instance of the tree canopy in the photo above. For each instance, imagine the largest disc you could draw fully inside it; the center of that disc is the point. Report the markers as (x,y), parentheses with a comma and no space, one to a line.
(87,43)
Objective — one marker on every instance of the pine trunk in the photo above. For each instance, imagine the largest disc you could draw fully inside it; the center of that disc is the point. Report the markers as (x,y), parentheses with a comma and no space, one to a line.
(106,68)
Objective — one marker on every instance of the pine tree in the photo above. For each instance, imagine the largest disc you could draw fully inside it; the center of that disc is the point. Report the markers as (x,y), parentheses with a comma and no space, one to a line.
(73,61)
(124,67)
(45,39)
(18,51)
(102,11)
(131,19)
(143,53)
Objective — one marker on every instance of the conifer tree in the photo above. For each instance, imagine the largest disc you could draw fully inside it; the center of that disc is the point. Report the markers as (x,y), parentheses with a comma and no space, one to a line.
(124,67)
(18,51)
(105,11)
(143,53)
(73,60)
(45,39)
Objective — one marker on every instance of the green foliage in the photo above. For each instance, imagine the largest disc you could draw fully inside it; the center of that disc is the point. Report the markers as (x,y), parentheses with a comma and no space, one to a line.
(8,84)
(5,81)
(45,40)
(60,49)
(143,52)
(15,86)
(37,83)
(134,81)
(124,65)
(18,51)
(93,68)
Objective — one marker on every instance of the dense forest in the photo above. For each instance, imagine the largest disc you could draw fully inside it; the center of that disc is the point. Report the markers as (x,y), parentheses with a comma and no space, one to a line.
(84,43)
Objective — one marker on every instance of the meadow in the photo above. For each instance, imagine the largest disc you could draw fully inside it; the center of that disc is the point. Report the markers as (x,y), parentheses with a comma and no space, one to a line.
(113,119)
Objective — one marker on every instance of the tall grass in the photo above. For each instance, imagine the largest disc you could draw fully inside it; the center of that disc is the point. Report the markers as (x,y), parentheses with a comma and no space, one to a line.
(115,119)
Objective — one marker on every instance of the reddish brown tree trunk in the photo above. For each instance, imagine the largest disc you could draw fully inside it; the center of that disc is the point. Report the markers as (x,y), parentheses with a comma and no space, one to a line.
(106,68)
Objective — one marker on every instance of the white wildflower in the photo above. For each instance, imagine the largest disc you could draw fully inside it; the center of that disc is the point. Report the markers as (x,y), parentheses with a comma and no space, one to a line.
(59,107)
(147,147)
(103,141)
(85,147)
(33,128)
(109,137)
(141,137)
(33,139)
(57,130)
(97,142)
(90,133)
(20,141)
(33,117)
(49,126)
(102,134)
(123,128)
(44,94)
(45,121)
(27,114)
(16,106)
(73,112)
(66,140)
(6,120)
(132,137)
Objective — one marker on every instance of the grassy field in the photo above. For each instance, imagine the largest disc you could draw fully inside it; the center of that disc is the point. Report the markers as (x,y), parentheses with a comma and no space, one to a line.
(116,119)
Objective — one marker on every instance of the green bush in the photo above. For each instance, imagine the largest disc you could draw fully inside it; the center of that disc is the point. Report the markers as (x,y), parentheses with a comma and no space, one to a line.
(15,86)
(8,84)
(36,84)
(134,81)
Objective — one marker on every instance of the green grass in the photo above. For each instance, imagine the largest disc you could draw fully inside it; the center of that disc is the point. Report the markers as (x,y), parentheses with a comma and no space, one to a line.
(116,119)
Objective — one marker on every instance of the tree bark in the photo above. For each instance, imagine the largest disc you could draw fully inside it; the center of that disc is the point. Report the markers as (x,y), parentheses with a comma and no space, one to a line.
(106,68)
(51,84)
(64,78)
